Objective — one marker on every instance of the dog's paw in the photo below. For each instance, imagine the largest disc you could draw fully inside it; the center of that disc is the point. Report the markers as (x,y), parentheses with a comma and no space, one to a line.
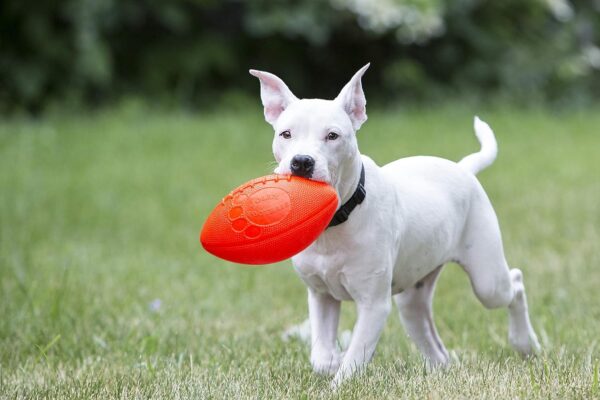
(343,374)
(527,345)
(326,364)
(299,332)
(432,365)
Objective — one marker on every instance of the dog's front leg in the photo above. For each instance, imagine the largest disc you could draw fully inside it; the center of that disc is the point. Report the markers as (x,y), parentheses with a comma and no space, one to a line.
(372,315)
(324,313)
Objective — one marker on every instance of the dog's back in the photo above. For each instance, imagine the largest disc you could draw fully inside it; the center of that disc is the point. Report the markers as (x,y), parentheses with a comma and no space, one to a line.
(434,196)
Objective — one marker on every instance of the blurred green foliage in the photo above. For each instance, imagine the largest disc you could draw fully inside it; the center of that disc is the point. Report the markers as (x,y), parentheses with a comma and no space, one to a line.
(196,52)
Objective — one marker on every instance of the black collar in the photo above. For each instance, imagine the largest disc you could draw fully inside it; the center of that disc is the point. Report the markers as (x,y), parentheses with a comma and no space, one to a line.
(359,195)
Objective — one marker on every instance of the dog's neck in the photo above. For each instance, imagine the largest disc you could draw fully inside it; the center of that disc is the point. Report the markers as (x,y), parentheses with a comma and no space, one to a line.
(349,177)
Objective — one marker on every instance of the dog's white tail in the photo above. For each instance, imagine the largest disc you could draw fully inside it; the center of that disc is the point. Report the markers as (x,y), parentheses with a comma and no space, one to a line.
(489,149)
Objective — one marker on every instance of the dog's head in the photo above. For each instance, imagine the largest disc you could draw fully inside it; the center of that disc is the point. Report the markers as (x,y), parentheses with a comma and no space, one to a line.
(314,138)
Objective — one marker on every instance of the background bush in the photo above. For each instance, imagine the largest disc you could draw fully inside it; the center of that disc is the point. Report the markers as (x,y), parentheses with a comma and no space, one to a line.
(194,52)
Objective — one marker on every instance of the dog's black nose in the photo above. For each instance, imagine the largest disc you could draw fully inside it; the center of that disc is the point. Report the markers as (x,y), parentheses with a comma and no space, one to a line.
(302,165)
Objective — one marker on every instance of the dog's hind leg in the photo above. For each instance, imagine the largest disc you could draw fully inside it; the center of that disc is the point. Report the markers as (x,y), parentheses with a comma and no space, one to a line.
(416,314)
(520,332)
(494,284)
(299,332)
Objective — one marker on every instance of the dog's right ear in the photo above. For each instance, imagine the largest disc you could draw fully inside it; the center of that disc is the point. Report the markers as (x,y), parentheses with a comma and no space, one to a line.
(275,95)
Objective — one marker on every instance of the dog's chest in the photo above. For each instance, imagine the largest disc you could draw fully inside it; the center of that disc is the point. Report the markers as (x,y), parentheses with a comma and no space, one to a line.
(323,272)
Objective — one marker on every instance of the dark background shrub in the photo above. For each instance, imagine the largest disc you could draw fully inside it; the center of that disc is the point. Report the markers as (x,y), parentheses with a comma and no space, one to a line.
(197,52)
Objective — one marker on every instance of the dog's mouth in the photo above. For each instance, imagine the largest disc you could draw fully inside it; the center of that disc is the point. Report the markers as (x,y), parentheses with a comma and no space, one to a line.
(314,176)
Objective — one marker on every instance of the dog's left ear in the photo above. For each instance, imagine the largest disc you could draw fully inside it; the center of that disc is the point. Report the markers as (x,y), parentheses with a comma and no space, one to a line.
(274,93)
(352,99)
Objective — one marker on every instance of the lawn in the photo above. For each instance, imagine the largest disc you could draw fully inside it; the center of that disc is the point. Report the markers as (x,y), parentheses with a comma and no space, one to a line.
(105,291)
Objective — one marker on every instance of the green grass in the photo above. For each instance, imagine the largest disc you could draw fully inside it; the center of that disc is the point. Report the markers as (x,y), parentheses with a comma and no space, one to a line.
(100,214)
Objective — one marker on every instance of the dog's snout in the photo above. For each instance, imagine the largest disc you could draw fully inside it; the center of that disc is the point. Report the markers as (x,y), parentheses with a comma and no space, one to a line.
(302,165)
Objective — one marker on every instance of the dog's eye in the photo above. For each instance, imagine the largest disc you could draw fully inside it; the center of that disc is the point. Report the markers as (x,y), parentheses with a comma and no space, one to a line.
(286,135)
(332,136)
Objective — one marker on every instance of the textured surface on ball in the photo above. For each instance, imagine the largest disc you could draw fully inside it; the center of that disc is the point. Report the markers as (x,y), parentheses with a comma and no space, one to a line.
(269,219)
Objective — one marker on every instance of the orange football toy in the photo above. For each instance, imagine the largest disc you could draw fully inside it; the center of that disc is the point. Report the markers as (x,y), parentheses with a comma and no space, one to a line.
(269,219)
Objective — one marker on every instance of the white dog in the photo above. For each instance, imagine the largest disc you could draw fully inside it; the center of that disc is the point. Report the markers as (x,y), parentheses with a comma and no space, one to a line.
(397,226)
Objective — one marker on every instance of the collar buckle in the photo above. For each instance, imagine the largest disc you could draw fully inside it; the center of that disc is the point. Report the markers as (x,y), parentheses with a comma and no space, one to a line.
(342,214)
(360,193)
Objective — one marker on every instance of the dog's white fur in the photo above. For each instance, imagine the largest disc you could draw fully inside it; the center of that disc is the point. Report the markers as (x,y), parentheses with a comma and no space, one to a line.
(419,213)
